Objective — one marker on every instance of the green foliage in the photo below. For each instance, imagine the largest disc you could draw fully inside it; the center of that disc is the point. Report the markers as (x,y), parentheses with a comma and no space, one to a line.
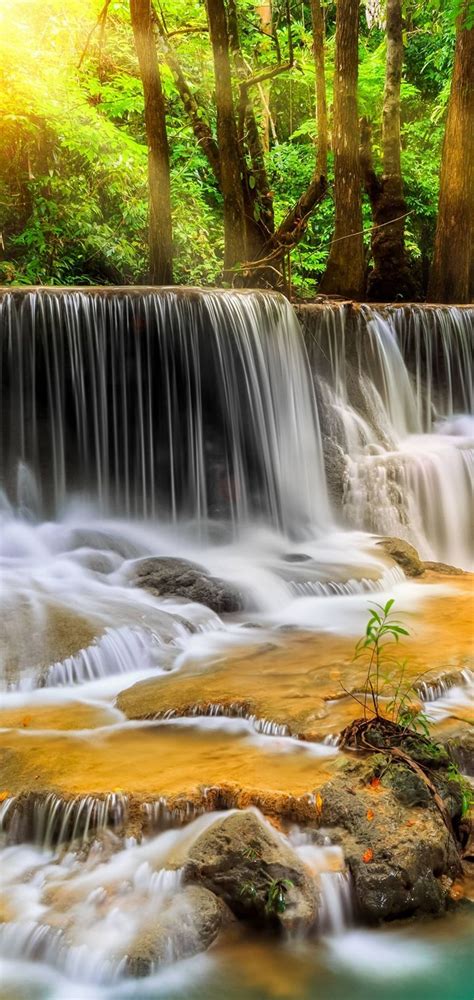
(465,787)
(73,157)
(275,893)
(385,673)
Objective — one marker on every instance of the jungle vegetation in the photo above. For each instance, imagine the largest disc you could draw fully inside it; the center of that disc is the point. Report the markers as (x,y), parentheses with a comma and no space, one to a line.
(296,144)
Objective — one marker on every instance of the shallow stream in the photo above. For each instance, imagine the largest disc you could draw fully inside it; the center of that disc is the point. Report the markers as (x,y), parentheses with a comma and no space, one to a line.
(193,427)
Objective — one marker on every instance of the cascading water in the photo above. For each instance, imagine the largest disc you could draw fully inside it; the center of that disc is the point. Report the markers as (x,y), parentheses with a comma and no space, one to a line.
(396,403)
(160,405)
(144,423)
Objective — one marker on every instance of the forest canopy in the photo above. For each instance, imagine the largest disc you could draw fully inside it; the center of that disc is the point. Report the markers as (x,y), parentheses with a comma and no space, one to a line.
(74,181)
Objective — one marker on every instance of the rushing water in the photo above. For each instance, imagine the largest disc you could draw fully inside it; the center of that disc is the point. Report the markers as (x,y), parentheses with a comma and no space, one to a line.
(396,398)
(205,426)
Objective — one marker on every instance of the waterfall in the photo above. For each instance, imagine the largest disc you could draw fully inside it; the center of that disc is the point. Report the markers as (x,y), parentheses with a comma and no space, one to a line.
(169,404)
(395,393)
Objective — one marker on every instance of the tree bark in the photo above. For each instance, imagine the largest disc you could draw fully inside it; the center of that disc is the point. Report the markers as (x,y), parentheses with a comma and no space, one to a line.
(452,272)
(287,236)
(258,203)
(265,17)
(317,18)
(231,186)
(160,236)
(391,277)
(200,127)
(344,273)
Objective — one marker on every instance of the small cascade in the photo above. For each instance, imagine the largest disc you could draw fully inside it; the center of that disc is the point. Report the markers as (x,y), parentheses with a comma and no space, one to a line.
(50,820)
(172,404)
(334,588)
(333,880)
(118,651)
(396,405)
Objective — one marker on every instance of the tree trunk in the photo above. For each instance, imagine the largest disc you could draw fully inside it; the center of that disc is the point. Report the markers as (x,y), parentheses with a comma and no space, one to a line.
(344,273)
(265,17)
(391,277)
(258,203)
(160,235)
(452,273)
(317,18)
(199,125)
(231,186)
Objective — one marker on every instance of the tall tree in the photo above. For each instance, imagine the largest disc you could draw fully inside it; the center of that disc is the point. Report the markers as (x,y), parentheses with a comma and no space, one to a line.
(344,273)
(317,17)
(391,276)
(160,236)
(227,140)
(452,273)
(258,201)
(265,17)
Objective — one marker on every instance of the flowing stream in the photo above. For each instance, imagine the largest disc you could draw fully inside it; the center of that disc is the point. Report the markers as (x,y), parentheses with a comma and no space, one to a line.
(268,449)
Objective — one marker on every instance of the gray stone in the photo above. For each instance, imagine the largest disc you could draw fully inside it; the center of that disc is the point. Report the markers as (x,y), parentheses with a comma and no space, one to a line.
(186,926)
(240,859)
(395,842)
(165,576)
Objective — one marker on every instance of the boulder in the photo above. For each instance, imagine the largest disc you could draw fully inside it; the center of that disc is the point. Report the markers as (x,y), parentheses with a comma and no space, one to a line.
(255,871)
(186,926)
(404,554)
(396,844)
(165,576)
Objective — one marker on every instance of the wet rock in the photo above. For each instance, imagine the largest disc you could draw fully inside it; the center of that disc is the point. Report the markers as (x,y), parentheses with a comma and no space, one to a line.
(297,557)
(444,569)
(165,576)
(396,844)
(460,746)
(186,926)
(254,871)
(404,554)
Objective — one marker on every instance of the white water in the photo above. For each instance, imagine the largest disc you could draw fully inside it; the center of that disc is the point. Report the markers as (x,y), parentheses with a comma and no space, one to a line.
(186,425)
(396,392)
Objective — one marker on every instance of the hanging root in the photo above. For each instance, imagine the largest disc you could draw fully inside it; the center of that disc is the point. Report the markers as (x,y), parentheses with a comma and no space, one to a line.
(379,735)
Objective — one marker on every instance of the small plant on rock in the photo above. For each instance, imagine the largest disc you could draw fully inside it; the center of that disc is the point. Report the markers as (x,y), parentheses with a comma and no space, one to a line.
(276,895)
(394,726)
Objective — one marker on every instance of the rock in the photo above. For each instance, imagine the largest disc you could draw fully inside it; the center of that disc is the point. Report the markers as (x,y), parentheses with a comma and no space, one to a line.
(165,576)
(400,854)
(186,926)
(460,746)
(241,859)
(297,557)
(444,569)
(404,554)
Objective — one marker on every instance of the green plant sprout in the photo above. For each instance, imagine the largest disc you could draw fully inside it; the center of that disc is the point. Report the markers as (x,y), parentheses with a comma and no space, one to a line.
(386,673)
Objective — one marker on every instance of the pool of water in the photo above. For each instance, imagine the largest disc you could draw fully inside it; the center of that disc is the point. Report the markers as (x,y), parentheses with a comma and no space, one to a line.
(431,961)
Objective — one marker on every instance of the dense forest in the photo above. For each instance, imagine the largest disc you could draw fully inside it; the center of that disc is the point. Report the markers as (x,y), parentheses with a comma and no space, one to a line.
(313,146)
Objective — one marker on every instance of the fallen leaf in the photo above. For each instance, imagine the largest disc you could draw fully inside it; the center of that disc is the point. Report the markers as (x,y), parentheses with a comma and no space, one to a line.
(370,814)
(4,795)
(375,782)
(410,822)
(456,891)
(319,804)
(368,855)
